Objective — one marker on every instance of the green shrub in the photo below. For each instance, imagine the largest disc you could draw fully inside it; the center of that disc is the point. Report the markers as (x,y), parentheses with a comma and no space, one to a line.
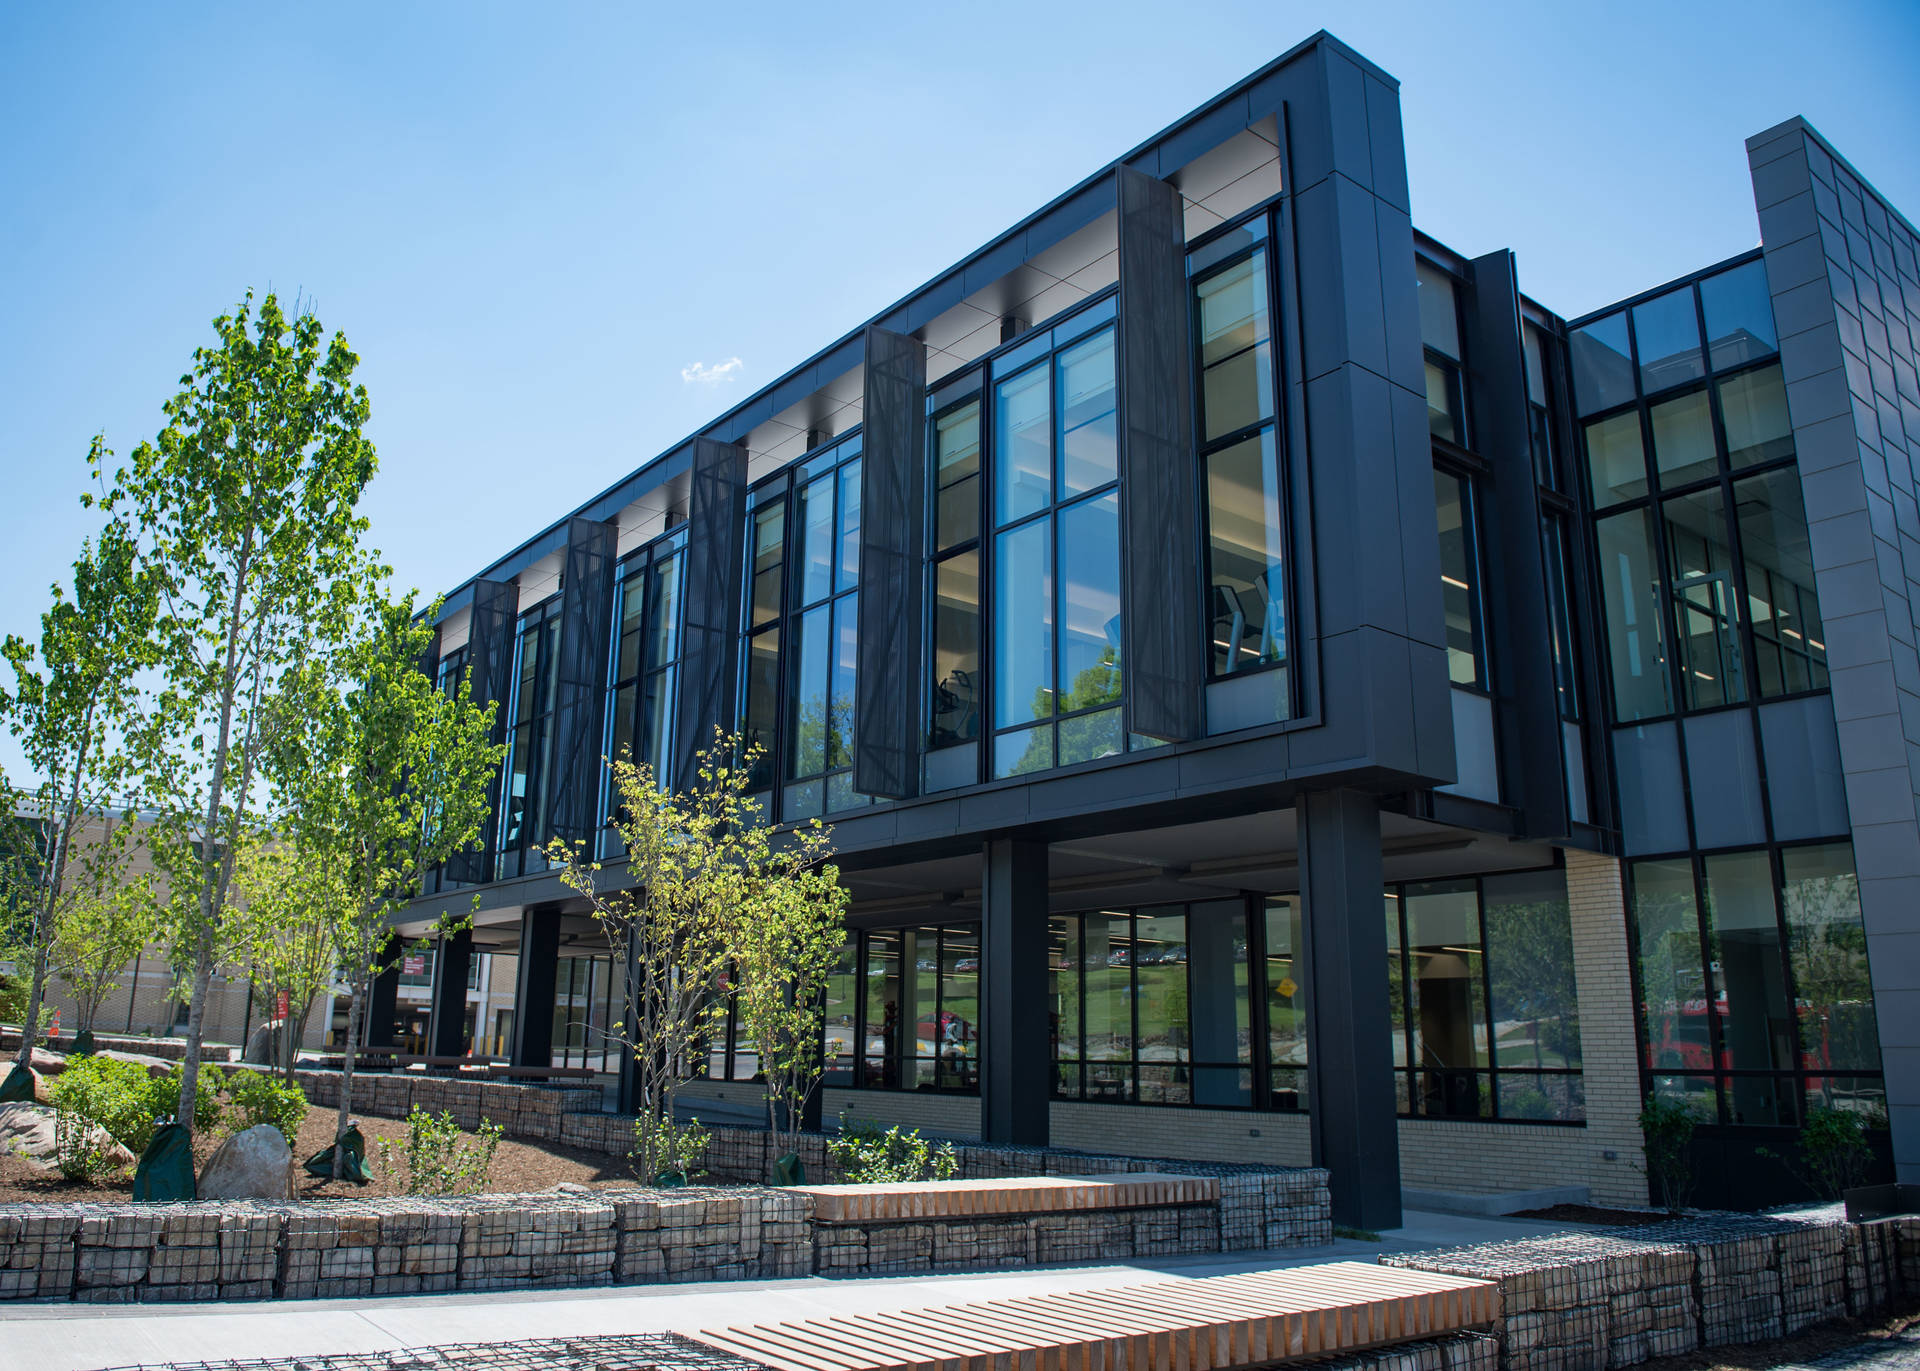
(257,1098)
(1667,1128)
(78,1150)
(1834,1155)
(867,1156)
(678,1148)
(435,1160)
(128,1102)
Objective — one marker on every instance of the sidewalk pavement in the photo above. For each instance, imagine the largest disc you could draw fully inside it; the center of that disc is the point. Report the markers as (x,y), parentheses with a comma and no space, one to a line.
(89,1337)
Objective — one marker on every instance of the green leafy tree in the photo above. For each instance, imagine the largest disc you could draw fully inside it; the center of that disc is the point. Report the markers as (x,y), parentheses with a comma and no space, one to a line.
(668,922)
(103,922)
(386,777)
(285,929)
(786,924)
(65,713)
(247,509)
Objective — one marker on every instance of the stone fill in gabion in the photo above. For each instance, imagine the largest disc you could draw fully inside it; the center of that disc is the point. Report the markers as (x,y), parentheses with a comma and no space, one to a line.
(1582,1301)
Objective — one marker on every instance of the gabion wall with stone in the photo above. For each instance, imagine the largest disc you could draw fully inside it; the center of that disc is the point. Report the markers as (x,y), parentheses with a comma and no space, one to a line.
(336,1248)
(1589,1301)
(1259,1207)
(257,1251)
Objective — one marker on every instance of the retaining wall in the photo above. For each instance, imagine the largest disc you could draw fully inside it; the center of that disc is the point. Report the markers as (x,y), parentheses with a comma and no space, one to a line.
(1259,1206)
(1588,1301)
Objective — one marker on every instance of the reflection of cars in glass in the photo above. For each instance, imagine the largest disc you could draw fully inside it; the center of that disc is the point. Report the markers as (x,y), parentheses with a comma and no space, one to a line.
(1120,956)
(967,966)
(926,964)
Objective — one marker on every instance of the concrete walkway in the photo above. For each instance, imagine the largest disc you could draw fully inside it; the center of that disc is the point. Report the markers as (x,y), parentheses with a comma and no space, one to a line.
(83,1337)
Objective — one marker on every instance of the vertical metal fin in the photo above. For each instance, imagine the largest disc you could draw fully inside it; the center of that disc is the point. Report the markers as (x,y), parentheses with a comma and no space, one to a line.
(892,554)
(580,686)
(716,514)
(1163,635)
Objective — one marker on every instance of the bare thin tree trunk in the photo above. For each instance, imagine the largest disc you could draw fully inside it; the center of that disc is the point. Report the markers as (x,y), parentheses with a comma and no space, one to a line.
(344,1119)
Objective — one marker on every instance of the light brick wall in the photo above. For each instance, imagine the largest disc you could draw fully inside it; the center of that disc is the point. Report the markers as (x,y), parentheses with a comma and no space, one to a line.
(1609,1049)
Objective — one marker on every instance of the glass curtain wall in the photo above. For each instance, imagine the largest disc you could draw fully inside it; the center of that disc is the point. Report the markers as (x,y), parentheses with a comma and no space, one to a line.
(903,1010)
(1153,1005)
(1755,998)
(954,688)
(800,633)
(450,678)
(1705,568)
(1057,652)
(644,668)
(586,991)
(523,824)
(1485,1010)
(1246,505)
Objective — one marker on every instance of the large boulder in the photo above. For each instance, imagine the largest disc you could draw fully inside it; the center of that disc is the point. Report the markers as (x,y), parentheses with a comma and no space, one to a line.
(254,1164)
(27,1131)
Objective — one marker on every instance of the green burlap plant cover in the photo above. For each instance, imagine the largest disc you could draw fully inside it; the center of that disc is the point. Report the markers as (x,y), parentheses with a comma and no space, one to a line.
(166,1167)
(789,1170)
(671,1180)
(320,1164)
(82,1043)
(18,1087)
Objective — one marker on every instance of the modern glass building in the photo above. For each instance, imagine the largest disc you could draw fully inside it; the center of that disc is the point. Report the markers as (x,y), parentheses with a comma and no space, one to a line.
(1281,692)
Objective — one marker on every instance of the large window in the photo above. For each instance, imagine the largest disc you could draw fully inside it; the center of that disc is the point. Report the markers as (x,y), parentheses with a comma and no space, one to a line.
(824,633)
(1704,562)
(1057,651)
(1246,505)
(1460,579)
(585,1008)
(903,1010)
(954,695)
(1485,1010)
(529,760)
(1440,337)
(1153,1005)
(800,633)
(1755,1001)
(646,656)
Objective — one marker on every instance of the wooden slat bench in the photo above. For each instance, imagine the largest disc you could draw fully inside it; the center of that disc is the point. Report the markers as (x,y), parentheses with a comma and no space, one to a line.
(907,1203)
(1219,1323)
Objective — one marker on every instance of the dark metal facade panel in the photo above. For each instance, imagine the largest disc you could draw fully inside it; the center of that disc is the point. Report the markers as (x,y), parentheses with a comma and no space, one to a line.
(1349,1021)
(1520,631)
(490,634)
(1831,243)
(535,993)
(716,516)
(580,684)
(1163,634)
(1014,1069)
(447,1021)
(893,466)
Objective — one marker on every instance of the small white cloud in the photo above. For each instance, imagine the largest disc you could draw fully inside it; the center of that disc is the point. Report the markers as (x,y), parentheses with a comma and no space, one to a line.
(717,374)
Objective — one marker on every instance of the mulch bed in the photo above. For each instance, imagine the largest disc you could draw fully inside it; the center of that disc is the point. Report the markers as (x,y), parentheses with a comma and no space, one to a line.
(1591,1213)
(518,1167)
(1801,1347)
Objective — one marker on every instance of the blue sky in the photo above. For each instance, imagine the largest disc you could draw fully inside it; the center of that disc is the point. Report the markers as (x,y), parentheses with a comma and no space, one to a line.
(542,226)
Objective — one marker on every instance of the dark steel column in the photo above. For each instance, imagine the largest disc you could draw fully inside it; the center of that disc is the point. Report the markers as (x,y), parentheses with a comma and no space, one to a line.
(716,515)
(383,998)
(1163,638)
(1526,702)
(580,686)
(1015,1060)
(893,464)
(627,1097)
(490,629)
(1349,1021)
(533,997)
(447,1025)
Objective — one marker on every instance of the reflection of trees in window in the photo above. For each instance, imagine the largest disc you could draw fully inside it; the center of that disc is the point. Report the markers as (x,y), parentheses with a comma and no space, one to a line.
(903,1010)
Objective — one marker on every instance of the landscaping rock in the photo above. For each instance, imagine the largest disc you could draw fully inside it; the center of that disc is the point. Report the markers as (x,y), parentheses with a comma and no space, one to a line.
(263,1044)
(27,1130)
(255,1164)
